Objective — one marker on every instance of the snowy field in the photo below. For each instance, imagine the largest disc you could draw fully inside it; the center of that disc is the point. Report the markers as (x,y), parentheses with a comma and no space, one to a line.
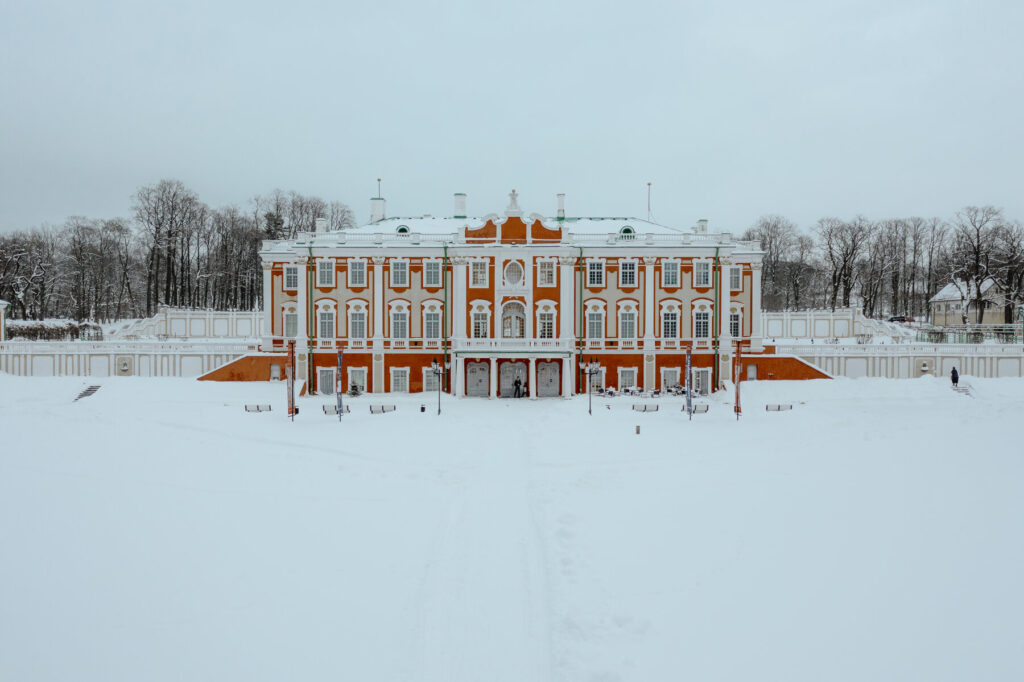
(155,531)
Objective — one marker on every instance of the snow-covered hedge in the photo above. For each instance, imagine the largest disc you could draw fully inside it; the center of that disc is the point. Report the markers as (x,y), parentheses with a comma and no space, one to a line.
(53,330)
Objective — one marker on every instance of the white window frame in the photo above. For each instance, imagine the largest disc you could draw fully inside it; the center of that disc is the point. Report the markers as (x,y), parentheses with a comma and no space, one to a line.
(664,320)
(735,278)
(428,263)
(320,373)
(542,263)
(320,283)
(701,380)
(701,266)
(592,270)
(680,379)
(429,379)
(292,270)
(289,310)
(481,266)
(478,308)
(631,311)
(636,273)
(427,311)
(675,266)
(399,311)
(522,274)
(735,325)
(353,309)
(696,325)
(321,312)
(403,264)
(596,314)
(357,376)
(352,283)
(399,370)
(625,370)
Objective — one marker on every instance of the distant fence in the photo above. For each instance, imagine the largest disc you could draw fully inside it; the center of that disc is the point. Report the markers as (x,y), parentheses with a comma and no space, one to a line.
(972,333)
(819,324)
(193,324)
(108,358)
(906,361)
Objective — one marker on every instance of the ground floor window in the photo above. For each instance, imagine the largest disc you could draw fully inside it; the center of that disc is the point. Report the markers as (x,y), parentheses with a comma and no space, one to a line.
(357,378)
(430,380)
(325,380)
(627,378)
(400,380)
(669,377)
(702,381)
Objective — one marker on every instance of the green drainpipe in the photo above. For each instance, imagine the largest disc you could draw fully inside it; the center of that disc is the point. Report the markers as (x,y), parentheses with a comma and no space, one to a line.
(310,326)
(444,313)
(717,316)
(580,321)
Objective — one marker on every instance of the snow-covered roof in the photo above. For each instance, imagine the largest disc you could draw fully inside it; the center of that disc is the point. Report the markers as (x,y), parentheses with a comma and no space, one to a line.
(434,225)
(957,290)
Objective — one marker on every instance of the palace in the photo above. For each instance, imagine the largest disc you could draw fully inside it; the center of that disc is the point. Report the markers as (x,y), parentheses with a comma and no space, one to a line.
(503,297)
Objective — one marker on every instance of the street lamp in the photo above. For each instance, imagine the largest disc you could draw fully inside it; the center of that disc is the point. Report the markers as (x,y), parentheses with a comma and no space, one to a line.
(590,369)
(438,369)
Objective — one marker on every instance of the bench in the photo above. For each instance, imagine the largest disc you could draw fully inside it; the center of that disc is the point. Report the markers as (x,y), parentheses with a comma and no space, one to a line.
(257,408)
(698,409)
(381,409)
(645,408)
(333,409)
(777,408)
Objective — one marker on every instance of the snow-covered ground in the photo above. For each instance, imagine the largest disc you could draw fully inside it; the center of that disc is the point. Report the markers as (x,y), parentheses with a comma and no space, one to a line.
(156,531)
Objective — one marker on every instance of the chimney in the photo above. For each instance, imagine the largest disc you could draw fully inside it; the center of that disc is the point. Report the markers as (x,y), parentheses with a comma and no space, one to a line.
(377,213)
(460,205)
(321,225)
(702,226)
(561,207)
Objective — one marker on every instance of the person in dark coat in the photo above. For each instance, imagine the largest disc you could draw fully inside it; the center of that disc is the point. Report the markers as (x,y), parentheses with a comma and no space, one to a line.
(954,376)
(518,385)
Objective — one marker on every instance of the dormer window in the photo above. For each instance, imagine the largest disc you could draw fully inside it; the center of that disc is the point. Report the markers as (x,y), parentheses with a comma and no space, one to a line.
(402,229)
(627,232)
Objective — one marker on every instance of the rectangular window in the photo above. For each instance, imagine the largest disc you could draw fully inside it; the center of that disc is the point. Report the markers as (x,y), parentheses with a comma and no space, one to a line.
(399,273)
(670,325)
(400,380)
(291,277)
(478,274)
(432,325)
(431,274)
(627,378)
(325,380)
(480,330)
(356,274)
(357,325)
(325,273)
(430,380)
(702,325)
(734,279)
(357,378)
(546,273)
(547,325)
(702,274)
(291,325)
(595,326)
(734,325)
(627,325)
(627,273)
(399,325)
(595,273)
(670,274)
(326,324)
(669,378)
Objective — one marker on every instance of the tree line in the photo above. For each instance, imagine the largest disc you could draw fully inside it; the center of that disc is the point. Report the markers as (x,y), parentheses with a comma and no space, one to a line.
(892,266)
(173,250)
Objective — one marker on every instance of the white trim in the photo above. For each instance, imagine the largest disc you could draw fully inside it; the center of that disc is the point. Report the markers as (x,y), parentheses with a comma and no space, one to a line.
(679,377)
(554,271)
(432,306)
(636,272)
(739,277)
(586,279)
(428,374)
(679,273)
(325,305)
(333,271)
(545,307)
(320,371)
(522,283)
(399,307)
(423,273)
(348,273)
(701,305)
(631,308)
(636,375)
(353,306)
(284,277)
(289,308)
(480,307)
(487,273)
(352,373)
(392,262)
(698,264)
(391,376)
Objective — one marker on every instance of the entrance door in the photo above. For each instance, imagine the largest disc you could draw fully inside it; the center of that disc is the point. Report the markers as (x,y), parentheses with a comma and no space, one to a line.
(549,378)
(325,381)
(701,381)
(510,371)
(478,379)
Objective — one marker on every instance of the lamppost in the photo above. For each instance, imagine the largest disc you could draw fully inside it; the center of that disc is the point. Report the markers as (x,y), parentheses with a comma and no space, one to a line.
(438,369)
(590,369)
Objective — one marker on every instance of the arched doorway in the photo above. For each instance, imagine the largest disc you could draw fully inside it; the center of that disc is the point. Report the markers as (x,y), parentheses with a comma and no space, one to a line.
(549,378)
(513,321)
(510,371)
(478,378)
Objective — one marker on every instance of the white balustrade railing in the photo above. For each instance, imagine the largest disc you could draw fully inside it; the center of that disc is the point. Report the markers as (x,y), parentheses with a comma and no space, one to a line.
(867,350)
(129,347)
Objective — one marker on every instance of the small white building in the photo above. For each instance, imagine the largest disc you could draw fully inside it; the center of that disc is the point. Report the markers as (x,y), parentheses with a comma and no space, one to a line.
(955,304)
(3,319)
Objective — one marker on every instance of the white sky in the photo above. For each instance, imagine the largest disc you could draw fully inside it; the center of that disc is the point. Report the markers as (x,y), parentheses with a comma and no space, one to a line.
(731,109)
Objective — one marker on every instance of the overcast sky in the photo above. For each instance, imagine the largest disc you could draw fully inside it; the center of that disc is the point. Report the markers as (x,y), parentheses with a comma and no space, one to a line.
(731,109)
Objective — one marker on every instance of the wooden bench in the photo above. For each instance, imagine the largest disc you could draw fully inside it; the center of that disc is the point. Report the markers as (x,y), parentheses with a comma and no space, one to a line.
(333,409)
(257,408)
(700,409)
(381,409)
(645,408)
(777,408)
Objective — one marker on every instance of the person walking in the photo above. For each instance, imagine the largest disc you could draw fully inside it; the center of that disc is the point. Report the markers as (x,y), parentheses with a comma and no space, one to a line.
(955,376)
(518,386)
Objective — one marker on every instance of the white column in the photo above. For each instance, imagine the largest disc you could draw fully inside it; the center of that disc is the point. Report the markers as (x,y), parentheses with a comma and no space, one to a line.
(756,339)
(724,337)
(528,332)
(378,301)
(649,302)
(301,342)
(268,313)
(567,377)
(494,378)
(533,377)
(458,311)
(460,377)
(566,300)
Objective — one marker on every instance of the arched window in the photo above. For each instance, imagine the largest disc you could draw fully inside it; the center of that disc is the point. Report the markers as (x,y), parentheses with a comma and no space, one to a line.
(513,321)
(513,274)
(402,229)
(627,232)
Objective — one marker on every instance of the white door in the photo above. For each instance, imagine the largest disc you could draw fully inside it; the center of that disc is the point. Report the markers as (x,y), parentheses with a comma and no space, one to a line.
(701,381)
(325,380)
(478,379)
(510,371)
(549,378)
